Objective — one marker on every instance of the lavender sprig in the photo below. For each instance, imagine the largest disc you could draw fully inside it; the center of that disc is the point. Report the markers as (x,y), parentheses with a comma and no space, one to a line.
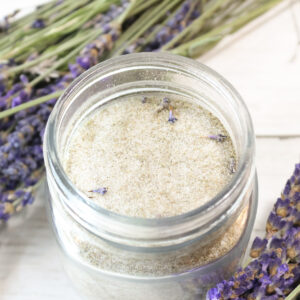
(274,271)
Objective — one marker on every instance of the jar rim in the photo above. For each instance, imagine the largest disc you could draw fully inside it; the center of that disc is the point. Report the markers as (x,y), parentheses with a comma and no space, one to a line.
(53,162)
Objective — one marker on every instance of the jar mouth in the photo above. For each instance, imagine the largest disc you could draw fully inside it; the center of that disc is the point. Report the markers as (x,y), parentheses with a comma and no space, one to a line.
(54,165)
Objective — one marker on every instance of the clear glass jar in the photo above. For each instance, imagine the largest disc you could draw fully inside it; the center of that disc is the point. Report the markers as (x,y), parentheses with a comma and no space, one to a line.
(130,248)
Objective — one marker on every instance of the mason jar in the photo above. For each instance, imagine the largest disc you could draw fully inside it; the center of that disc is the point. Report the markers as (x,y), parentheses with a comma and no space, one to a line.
(111,256)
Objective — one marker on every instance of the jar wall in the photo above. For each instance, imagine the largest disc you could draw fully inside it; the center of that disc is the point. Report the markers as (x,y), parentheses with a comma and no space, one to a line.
(92,281)
(125,258)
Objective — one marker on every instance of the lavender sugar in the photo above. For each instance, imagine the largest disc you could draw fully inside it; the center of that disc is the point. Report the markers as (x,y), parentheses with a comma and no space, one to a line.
(156,158)
(152,158)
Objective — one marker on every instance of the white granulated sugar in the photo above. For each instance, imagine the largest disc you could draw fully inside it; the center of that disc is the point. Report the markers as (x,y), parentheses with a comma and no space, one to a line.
(151,167)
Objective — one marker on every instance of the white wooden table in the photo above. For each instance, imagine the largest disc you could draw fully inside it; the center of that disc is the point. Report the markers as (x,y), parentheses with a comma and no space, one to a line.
(258,62)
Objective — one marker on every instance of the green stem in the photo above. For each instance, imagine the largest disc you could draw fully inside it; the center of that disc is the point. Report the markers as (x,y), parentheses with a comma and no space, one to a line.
(53,33)
(24,29)
(31,16)
(72,6)
(294,294)
(153,34)
(11,111)
(129,32)
(127,12)
(65,59)
(72,54)
(38,101)
(66,46)
(196,46)
(143,6)
(145,22)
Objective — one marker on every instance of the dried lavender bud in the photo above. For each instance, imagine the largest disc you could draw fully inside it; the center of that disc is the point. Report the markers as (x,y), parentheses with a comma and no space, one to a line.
(101,191)
(171,119)
(38,24)
(293,249)
(6,100)
(6,209)
(17,171)
(214,294)
(144,99)
(84,62)
(287,190)
(92,52)
(274,223)
(12,201)
(283,208)
(258,247)
(219,137)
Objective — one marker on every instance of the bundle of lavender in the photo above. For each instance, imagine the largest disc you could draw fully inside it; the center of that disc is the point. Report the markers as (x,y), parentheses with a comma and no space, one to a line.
(274,270)
(41,53)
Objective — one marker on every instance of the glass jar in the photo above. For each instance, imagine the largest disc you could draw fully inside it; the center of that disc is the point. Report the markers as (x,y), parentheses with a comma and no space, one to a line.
(110,256)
